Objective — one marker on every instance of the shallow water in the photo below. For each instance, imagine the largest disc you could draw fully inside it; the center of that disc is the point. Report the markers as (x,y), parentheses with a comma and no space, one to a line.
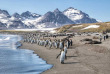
(17,61)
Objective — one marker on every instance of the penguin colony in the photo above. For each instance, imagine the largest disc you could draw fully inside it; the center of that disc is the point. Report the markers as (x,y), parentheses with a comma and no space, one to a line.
(38,39)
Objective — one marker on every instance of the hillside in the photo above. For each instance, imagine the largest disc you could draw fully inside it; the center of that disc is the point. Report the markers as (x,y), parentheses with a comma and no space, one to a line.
(92,27)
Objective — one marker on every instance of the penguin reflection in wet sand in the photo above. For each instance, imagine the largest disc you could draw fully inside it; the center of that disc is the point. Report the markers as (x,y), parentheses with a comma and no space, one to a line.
(62,57)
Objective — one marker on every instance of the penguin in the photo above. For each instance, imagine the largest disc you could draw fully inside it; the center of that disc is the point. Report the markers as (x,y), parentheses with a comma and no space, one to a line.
(43,42)
(46,43)
(71,42)
(40,42)
(61,45)
(68,43)
(24,40)
(56,45)
(65,49)
(32,41)
(50,44)
(62,57)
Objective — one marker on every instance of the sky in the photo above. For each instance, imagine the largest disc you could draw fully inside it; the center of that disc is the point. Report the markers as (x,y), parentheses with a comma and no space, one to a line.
(98,9)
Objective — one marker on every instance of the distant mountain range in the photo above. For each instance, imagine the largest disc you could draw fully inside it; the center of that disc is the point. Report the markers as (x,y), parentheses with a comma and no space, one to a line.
(48,20)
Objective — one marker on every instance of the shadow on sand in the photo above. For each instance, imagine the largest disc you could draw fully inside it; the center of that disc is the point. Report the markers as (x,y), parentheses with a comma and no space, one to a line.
(71,62)
(72,56)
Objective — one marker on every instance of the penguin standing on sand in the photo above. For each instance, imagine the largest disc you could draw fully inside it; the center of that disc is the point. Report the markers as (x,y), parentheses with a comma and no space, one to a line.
(37,41)
(68,43)
(71,42)
(46,43)
(61,45)
(28,39)
(32,41)
(50,44)
(43,42)
(65,49)
(100,38)
(62,57)
(56,45)
(53,43)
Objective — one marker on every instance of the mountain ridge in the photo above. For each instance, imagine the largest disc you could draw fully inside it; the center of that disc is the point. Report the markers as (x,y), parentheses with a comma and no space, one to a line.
(50,19)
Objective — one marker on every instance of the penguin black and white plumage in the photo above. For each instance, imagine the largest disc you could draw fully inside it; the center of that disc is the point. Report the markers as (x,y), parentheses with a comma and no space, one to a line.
(43,42)
(46,43)
(50,44)
(68,43)
(61,45)
(53,43)
(38,42)
(32,41)
(56,45)
(71,42)
(28,40)
(65,49)
(62,57)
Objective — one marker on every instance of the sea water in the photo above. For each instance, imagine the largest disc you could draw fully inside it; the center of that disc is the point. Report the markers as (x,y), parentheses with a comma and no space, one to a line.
(19,61)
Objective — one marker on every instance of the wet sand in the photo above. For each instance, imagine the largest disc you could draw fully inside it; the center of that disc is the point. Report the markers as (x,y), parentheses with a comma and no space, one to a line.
(81,58)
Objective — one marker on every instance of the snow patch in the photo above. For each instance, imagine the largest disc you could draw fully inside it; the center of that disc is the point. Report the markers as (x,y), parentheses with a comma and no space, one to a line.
(32,21)
(99,20)
(91,26)
(24,29)
(73,14)
(3,16)
(51,30)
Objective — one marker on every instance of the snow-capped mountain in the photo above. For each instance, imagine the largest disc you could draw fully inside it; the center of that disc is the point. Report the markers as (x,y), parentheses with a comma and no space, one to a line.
(2,26)
(16,16)
(54,19)
(16,20)
(9,22)
(29,15)
(51,19)
(78,16)
(17,24)
(4,14)
(58,18)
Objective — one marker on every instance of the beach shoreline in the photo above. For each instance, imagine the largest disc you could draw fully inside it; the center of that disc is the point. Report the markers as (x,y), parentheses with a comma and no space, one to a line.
(77,58)
(46,54)
(19,61)
(81,58)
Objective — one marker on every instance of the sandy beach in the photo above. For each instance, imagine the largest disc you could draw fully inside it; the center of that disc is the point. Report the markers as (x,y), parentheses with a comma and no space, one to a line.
(81,58)
(54,37)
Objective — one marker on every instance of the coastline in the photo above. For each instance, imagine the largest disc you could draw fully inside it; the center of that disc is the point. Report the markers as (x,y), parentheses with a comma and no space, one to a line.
(19,61)
(49,55)
(79,58)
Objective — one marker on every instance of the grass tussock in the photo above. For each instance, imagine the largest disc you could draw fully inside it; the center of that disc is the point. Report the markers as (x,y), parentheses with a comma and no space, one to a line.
(104,27)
